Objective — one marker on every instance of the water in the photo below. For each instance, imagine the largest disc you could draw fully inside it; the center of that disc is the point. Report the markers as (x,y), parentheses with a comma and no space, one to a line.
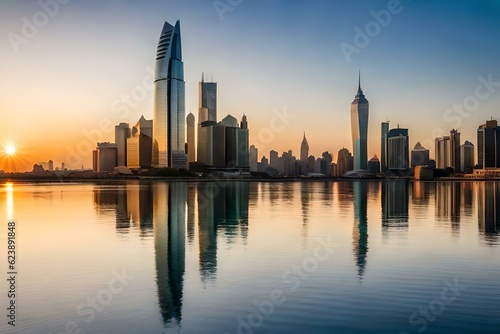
(237,257)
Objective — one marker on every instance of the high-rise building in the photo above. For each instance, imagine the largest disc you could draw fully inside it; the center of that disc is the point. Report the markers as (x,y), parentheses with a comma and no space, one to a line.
(419,156)
(454,150)
(224,145)
(191,147)
(208,98)
(467,157)
(253,153)
(310,164)
(106,157)
(344,162)
(51,165)
(374,165)
(359,129)
(304,149)
(169,122)
(140,144)
(122,132)
(442,152)
(488,145)
(383,146)
(398,149)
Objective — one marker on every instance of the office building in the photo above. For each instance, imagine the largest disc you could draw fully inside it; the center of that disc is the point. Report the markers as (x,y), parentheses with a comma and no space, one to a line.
(383,146)
(169,122)
(359,128)
(191,146)
(122,133)
(224,145)
(467,157)
(419,156)
(253,153)
(374,165)
(398,150)
(140,144)
(208,98)
(344,162)
(105,157)
(488,145)
(455,150)
(443,152)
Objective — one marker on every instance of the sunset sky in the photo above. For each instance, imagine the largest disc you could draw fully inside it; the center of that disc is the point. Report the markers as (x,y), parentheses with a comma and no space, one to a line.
(65,83)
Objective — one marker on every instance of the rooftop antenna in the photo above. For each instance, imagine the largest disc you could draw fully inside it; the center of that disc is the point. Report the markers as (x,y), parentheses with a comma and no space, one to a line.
(202,76)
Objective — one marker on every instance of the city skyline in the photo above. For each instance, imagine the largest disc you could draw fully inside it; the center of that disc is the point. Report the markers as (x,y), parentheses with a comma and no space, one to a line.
(432,74)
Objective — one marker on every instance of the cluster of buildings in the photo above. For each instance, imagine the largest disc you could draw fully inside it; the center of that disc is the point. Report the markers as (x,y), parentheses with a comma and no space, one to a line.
(451,155)
(172,139)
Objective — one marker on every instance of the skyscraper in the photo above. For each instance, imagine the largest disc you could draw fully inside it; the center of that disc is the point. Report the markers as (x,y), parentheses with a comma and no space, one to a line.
(455,149)
(253,155)
(140,143)
(344,162)
(398,149)
(442,153)
(383,145)
(467,157)
(169,123)
(191,138)
(208,98)
(359,128)
(304,149)
(419,156)
(488,145)
(122,132)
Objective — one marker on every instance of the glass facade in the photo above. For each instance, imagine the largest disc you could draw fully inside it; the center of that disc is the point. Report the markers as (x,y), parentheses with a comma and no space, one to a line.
(359,130)
(208,98)
(169,101)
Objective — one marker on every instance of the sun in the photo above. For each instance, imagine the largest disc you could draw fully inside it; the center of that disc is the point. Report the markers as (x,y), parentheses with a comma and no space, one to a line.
(10,149)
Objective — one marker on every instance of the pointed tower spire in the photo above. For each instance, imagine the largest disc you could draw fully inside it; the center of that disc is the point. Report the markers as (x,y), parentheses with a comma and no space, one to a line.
(359,80)
(202,76)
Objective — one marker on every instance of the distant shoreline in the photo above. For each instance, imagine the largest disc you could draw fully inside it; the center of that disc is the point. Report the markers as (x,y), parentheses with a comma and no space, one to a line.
(32,179)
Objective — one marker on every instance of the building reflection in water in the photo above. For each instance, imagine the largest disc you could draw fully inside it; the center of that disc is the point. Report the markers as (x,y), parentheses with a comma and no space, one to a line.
(305,198)
(394,205)
(169,218)
(112,200)
(360,230)
(448,198)
(489,209)
(166,211)
(222,209)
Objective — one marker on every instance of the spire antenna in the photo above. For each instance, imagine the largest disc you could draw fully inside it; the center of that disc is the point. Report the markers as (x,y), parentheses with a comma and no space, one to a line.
(359,80)
(202,76)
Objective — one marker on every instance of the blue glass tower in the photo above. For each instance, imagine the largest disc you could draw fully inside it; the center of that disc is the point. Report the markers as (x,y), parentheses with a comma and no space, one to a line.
(359,129)
(169,101)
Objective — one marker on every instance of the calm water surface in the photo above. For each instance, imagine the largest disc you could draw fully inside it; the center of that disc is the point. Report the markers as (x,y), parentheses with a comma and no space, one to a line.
(237,257)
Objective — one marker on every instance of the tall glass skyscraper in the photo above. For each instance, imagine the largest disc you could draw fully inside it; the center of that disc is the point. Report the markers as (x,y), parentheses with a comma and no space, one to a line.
(169,118)
(359,129)
(208,98)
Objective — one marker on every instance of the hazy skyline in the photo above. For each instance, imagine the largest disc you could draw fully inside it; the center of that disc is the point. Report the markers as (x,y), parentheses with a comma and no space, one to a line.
(73,72)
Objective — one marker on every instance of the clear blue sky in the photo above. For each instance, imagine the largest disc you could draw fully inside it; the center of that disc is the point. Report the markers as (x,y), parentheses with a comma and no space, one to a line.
(265,56)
